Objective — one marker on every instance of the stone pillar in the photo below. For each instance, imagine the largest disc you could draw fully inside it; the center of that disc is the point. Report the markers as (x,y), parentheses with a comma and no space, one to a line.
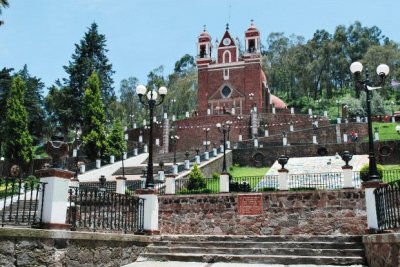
(240,138)
(292,110)
(140,138)
(222,148)
(215,152)
(55,198)
(112,159)
(151,209)
(254,124)
(372,218)
(345,140)
(197,159)
(121,185)
(187,114)
(314,139)
(208,111)
(224,183)
(161,175)
(170,185)
(165,136)
(291,128)
(283,179)
(135,151)
(206,155)
(187,164)
(228,144)
(157,141)
(145,149)
(98,163)
(347,176)
(284,141)
(358,120)
(256,142)
(266,133)
(310,111)
(175,169)
(82,168)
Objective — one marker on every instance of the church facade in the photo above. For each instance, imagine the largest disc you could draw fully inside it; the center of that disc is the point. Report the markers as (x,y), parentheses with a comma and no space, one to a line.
(230,83)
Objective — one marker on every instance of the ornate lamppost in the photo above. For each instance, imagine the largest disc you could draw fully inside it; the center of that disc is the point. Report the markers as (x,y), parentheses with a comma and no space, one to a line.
(224,129)
(174,140)
(382,70)
(151,103)
(206,130)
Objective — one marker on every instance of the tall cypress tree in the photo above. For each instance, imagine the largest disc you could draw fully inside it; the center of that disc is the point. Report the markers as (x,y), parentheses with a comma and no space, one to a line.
(18,142)
(89,56)
(94,136)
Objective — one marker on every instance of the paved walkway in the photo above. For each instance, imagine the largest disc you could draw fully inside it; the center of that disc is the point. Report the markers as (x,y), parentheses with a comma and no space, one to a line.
(218,264)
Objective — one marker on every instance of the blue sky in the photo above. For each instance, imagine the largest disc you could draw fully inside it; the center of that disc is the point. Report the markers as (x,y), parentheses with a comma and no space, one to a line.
(144,34)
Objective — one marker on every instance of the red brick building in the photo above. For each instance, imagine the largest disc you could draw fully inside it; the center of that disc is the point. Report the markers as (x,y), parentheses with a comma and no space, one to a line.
(231,83)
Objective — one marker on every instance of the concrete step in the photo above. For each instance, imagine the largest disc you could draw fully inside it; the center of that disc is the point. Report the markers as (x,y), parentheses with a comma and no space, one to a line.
(256,259)
(225,244)
(259,251)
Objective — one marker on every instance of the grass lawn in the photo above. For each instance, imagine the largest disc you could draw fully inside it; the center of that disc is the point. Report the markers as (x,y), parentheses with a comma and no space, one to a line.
(391,167)
(386,131)
(247,171)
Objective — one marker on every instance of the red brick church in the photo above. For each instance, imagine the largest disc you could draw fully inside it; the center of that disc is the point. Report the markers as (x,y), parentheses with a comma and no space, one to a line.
(230,83)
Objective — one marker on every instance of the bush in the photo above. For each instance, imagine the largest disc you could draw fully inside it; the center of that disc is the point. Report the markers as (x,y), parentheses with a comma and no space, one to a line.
(364,171)
(196,179)
(239,187)
(215,176)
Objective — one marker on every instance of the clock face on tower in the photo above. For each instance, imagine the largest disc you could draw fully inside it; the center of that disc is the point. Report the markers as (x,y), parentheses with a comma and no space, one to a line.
(226,41)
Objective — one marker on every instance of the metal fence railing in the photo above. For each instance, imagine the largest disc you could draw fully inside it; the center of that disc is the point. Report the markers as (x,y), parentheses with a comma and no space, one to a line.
(387,200)
(254,183)
(97,210)
(329,180)
(110,186)
(21,202)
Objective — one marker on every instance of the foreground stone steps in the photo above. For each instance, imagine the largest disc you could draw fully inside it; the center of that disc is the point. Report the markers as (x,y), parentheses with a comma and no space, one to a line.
(317,250)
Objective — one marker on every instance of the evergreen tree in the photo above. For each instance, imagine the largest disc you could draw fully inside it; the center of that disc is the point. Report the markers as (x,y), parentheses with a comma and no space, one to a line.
(94,136)
(5,86)
(3,3)
(116,140)
(18,143)
(89,56)
(33,102)
(196,179)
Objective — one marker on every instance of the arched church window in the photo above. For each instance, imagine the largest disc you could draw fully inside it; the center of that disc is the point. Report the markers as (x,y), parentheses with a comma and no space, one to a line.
(226,57)
(226,91)
(202,51)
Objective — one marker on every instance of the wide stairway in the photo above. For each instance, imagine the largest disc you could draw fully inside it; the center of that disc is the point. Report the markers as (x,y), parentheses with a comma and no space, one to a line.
(317,250)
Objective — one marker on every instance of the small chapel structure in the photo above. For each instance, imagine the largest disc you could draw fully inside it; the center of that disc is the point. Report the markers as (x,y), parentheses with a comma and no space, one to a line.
(231,83)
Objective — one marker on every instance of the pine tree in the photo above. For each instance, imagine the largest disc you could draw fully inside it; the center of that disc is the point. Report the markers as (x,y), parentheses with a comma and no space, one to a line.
(94,136)
(89,56)
(18,142)
(116,144)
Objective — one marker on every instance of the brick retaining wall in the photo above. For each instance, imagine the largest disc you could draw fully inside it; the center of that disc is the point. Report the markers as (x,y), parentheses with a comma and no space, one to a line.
(284,213)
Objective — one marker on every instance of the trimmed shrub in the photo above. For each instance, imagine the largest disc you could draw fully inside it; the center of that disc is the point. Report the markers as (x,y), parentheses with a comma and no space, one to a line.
(196,179)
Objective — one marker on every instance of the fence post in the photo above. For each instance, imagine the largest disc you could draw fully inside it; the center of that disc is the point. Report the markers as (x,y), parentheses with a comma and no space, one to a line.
(55,198)
(215,152)
(82,168)
(224,183)
(206,155)
(170,185)
(197,159)
(150,209)
(121,185)
(175,169)
(187,164)
(372,218)
(145,150)
(135,152)
(98,163)
(161,175)
(347,176)
(112,159)
(283,179)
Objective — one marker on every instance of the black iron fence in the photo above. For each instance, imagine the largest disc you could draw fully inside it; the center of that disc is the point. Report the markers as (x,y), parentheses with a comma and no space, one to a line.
(21,202)
(387,200)
(110,186)
(254,183)
(329,180)
(98,210)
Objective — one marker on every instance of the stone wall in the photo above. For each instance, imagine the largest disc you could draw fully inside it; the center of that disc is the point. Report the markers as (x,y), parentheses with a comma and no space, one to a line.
(284,213)
(382,250)
(30,247)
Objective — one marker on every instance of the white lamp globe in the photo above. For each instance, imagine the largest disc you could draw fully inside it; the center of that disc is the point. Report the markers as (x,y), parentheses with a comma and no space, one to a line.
(382,69)
(141,89)
(356,67)
(152,95)
(162,91)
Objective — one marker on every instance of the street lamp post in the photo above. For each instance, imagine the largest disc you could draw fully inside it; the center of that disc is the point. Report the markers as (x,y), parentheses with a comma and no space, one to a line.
(382,70)
(174,139)
(224,129)
(206,130)
(151,103)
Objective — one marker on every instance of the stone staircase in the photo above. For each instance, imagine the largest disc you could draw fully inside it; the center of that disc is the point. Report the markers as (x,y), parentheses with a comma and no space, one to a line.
(317,250)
